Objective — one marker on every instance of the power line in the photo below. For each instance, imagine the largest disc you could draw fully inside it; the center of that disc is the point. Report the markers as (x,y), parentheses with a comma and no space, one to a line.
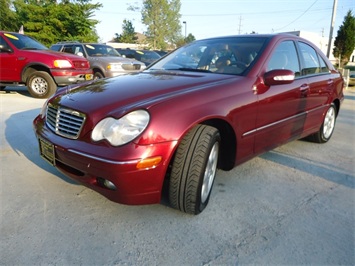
(297,17)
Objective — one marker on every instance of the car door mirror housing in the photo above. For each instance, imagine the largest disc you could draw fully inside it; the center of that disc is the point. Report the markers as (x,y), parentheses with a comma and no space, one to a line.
(278,77)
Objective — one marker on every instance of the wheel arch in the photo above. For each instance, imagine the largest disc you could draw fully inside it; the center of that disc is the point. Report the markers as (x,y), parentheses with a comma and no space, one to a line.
(228,142)
(98,69)
(228,148)
(28,70)
(337,105)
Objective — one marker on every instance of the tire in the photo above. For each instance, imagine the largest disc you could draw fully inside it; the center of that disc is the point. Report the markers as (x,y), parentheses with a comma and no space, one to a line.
(98,75)
(194,169)
(41,85)
(326,130)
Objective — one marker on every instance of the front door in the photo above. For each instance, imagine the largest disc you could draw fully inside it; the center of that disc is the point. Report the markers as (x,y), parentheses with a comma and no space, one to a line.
(281,109)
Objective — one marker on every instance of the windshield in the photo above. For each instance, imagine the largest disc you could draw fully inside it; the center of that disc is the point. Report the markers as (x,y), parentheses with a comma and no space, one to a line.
(229,55)
(21,41)
(100,50)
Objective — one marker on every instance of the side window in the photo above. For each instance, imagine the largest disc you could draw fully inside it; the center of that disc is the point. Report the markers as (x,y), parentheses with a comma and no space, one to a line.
(285,57)
(78,50)
(323,66)
(310,59)
(3,43)
(68,49)
(56,47)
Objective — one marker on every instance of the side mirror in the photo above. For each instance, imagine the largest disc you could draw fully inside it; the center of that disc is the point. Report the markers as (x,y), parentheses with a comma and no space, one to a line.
(80,54)
(278,77)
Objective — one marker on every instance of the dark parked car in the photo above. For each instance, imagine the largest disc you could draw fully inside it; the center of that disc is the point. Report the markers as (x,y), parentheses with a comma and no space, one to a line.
(212,104)
(146,56)
(160,52)
(26,62)
(105,61)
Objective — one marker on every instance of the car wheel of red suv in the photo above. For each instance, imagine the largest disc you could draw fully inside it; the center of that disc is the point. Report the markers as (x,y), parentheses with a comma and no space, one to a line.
(41,85)
(194,169)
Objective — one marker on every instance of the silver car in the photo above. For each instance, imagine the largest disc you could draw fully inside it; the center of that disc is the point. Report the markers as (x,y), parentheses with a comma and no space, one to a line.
(104,60)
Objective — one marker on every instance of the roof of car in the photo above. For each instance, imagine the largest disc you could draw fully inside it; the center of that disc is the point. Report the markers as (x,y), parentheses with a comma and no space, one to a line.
(77,42)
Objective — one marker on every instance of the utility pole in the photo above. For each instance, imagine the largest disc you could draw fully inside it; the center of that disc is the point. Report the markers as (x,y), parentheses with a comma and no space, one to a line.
(332,27)
(240,25)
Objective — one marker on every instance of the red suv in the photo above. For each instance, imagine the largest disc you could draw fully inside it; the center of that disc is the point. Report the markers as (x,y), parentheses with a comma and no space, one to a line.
(26,62)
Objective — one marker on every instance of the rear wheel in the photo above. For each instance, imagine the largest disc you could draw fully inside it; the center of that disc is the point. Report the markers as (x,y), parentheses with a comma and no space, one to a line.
(326,130)
(194,169)
(41,85)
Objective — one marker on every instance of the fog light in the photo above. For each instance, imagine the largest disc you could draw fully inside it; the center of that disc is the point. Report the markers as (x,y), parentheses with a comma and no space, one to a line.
(106,183)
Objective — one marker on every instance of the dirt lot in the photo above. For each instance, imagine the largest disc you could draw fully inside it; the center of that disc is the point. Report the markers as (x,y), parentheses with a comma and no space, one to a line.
(293,205)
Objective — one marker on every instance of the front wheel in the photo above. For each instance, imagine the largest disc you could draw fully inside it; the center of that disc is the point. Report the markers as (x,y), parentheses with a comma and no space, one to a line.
(98,75)
(327,128)
(194,169)
(41,85)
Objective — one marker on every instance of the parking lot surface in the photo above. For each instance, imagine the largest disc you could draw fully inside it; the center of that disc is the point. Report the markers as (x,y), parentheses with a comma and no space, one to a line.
(293,205)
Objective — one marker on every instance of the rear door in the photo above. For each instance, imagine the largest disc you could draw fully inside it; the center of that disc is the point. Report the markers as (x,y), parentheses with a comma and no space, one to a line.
(320,81)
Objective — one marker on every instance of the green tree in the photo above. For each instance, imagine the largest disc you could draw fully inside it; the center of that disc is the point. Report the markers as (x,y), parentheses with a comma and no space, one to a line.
(162,20)
(128,34)
(50,21)
(8,17)
(344,43)
(190,38)
(182,41)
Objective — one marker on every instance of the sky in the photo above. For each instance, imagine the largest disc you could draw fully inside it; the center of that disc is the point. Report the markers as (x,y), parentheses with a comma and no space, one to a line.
(207,18)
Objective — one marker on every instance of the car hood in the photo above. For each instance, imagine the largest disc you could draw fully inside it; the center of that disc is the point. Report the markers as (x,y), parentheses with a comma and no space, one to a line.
(56,55)
(114,59)
(116,96)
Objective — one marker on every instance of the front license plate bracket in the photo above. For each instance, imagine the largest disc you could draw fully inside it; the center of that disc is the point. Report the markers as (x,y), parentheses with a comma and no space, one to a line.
(47,151)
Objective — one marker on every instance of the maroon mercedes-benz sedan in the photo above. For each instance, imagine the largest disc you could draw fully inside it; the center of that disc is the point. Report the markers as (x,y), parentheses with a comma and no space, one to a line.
(212,104)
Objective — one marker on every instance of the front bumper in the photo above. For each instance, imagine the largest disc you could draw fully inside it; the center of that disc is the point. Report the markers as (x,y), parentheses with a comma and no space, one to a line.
(67,77)
(90,164)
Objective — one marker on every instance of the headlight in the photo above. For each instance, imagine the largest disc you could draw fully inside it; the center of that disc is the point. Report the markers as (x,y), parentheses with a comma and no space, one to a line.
(123,130)
(62,64)
(114,67)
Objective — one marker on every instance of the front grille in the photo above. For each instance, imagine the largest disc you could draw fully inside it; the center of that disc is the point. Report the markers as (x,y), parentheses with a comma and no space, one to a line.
(64,122)
(131,66)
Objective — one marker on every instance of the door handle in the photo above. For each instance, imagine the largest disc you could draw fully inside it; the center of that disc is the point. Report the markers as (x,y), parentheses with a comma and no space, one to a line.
(304,87)
(304,90)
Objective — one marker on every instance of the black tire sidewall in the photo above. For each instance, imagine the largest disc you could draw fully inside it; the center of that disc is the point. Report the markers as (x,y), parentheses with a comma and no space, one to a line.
(98,75)
(202,205)
(188,169)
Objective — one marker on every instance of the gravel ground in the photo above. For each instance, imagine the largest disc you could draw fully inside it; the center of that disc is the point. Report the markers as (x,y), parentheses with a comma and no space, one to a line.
(293,205)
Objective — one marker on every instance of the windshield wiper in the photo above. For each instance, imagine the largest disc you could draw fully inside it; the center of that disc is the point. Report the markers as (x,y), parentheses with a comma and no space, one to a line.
(191,69)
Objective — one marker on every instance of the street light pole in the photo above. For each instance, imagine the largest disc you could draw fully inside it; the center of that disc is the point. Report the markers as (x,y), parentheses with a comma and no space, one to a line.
(185,28)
